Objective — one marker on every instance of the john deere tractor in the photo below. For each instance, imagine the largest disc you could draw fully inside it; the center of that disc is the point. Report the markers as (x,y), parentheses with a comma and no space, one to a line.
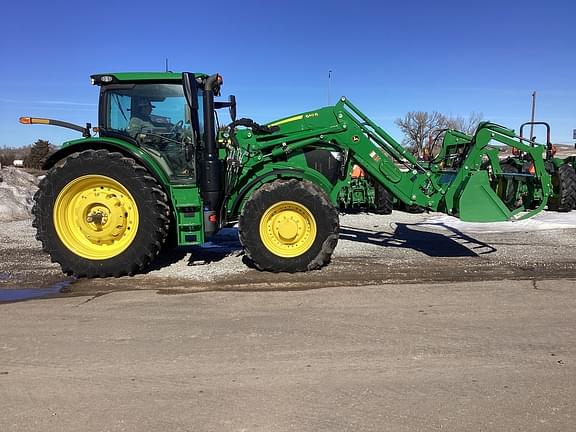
(162,169)
(365,194)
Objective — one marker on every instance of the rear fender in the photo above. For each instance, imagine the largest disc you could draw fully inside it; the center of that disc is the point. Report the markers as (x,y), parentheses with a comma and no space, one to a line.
(111,144)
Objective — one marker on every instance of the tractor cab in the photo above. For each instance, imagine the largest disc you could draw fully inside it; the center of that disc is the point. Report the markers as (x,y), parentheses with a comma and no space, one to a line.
(171,116)
(152,111)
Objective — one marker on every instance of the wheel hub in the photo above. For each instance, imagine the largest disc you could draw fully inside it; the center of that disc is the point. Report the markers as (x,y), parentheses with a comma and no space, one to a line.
(95,217)
(288,229)
(101,216)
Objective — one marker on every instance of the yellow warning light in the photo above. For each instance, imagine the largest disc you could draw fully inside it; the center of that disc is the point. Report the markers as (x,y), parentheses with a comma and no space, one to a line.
(33,120)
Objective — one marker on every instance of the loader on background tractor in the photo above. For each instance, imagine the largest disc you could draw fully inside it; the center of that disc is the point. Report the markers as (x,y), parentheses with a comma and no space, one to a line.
(162,169)
(364,194)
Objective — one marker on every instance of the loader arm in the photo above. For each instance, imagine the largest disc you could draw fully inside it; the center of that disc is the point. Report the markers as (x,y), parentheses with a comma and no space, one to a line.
(460,181)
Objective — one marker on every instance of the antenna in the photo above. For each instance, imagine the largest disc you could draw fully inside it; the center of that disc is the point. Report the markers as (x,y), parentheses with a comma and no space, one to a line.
(532,116)
(329,78)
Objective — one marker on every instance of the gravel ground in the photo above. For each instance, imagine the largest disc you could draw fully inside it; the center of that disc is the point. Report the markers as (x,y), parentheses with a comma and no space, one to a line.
(373,249)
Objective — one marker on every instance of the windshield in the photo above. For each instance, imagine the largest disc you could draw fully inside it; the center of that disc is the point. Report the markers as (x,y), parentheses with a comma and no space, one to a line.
(158,117)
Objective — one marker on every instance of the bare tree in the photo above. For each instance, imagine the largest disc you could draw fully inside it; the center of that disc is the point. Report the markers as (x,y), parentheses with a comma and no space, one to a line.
(421,128)
(467,125)
(9,154)
(417,127)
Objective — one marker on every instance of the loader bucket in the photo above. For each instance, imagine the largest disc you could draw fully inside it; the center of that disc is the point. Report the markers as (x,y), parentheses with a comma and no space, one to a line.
(479,203)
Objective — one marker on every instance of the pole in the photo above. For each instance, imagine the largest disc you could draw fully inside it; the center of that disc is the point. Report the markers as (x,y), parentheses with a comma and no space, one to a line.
(533,114)
(329,78)
(166,64)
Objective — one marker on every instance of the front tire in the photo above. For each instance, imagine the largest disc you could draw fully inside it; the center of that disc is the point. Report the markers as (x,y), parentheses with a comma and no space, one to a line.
(289,226)
(98,213)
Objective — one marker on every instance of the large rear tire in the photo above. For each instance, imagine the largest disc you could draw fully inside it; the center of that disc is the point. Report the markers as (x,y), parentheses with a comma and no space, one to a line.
(507,186)
(564,186)
(383,202)
(289,226)
(100,214)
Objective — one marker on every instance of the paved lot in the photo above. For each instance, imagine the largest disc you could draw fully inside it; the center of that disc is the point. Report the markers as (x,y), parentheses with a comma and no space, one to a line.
(202,342)
(488,356)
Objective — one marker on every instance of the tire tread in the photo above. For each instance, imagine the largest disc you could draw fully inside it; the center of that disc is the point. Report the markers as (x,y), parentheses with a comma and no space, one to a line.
(154,205)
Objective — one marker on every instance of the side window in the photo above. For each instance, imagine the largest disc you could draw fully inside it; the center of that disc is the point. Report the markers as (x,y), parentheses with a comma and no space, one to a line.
(119,111)
(159,119)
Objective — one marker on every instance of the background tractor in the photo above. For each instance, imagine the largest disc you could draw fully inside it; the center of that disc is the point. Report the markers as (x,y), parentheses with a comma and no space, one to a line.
(364,194)
(161,168)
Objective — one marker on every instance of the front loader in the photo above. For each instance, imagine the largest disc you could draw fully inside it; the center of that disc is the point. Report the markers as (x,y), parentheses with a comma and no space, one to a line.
(162,169)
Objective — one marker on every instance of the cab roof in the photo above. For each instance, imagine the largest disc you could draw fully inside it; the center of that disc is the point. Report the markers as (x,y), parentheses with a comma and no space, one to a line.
(127,77)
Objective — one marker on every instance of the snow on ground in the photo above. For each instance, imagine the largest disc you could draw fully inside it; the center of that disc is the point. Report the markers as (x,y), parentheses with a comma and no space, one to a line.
(17,190)
(543,221)
(397,238)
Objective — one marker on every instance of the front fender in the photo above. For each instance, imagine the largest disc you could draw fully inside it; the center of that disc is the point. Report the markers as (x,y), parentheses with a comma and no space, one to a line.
(272,173)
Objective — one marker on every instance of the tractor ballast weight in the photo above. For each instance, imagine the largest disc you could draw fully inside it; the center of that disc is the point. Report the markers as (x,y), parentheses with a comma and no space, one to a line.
(109,203)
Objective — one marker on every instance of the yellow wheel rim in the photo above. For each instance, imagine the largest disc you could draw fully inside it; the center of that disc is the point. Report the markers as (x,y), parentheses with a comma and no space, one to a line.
(288,229)
(95,217)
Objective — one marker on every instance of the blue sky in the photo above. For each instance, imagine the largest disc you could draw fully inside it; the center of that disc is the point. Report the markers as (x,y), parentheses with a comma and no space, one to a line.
(386,57)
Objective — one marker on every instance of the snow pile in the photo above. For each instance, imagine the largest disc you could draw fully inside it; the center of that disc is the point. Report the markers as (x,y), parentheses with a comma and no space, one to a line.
(542,221)
(17,191)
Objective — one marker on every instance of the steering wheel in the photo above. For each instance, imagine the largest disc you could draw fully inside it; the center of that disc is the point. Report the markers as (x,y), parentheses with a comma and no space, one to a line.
(176,128)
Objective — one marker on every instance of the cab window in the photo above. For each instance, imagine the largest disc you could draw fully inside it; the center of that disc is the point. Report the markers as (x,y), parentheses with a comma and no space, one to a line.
(158,118)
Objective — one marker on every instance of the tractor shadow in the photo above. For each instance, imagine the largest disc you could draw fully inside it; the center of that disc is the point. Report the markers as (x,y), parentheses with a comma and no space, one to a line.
(226,243)
(455,244)
(220,246)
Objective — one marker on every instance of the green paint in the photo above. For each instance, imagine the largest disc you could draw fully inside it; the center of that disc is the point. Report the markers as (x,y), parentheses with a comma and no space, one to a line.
(478,202)
(154,164)
(148,76)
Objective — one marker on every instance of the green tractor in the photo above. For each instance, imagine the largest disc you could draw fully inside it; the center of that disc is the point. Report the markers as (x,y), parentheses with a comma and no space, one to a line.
(365,194)
(163,170)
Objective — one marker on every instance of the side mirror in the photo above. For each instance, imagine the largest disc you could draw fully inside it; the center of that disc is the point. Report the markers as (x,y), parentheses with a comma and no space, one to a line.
(232,100)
